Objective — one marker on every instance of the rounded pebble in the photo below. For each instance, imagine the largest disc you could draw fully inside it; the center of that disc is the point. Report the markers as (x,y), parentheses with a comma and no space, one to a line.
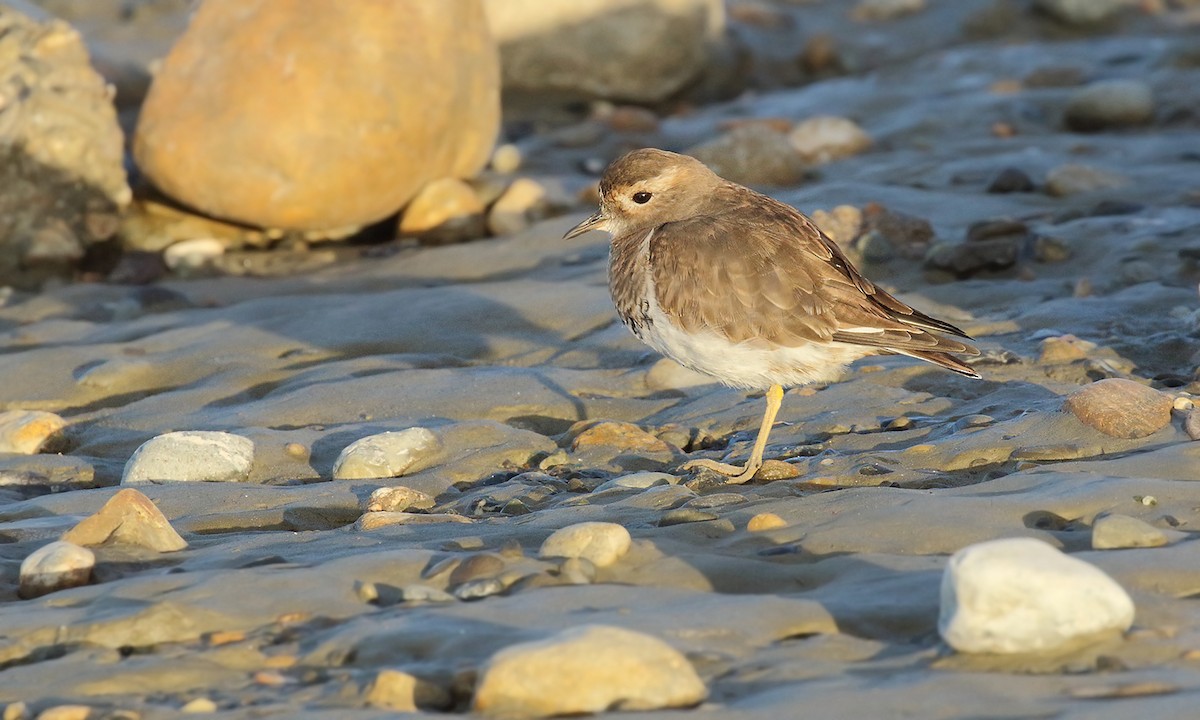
(386,455)
(56,566)
(446,210)
(516,207)
(28,432)
(191,455)
(1114,531)
(397,499)
(193,254)
(765,521)
(1121,408)
(825,138)
(506,159)
(587,669)
(1020,595)
(1075,179)
(199,705)
(601,543)
(1110,104)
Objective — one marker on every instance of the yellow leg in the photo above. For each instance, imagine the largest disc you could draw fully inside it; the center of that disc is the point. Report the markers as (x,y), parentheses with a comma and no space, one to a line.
(738,475)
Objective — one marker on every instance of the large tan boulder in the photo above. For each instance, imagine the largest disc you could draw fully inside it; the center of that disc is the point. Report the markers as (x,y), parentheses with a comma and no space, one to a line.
(320,115)
(634,50)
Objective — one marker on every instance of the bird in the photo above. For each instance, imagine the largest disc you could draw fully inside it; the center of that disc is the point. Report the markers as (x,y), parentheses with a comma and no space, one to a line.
(738,286)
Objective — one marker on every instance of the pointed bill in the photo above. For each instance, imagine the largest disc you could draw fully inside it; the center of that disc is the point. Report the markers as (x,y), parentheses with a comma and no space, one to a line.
(595,222)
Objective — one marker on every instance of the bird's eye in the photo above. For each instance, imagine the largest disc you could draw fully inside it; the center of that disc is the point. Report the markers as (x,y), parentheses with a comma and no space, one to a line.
(641,198)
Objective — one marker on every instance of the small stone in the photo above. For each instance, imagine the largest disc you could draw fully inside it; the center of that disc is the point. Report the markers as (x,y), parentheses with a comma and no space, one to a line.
(56,566)
(517,207)
(843,224)
(298,451)
(479,589)
(772,470)
(601,543)
(1121,408)
(1075,179)
(506,159)
(824,138)
(424,593)
(1049,249)
(193,254)
(66,712)
(375,520)
(752,154)
(968,258)
(191,456)
(128,518)
(583,670)
(1010,180)
(609,433)
(1064,349)
(638,481)
(28,432)
(399,691)
(881,10)
(911,235)
(1114,531)
(445,210)
(1191,424)
(387,455)
(1080,12)
(199,705)
(765,521)
(875,248)
(397,499)
(474,567)
(1110,104)
(1019,595)
(681,516)
(15,711)
(1182,404)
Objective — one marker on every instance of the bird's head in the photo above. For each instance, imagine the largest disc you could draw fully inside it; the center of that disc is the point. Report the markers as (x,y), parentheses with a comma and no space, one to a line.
(646,188)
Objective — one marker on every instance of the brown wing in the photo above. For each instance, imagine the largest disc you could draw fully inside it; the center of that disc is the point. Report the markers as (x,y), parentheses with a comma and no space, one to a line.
(755,268)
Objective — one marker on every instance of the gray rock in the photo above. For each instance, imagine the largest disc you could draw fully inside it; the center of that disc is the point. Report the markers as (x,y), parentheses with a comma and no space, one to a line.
(1080,12)
(1114,531)
(638,481)
(1074,179)
(601,543)
(1110,104)
(389,454)
(752,154)
(1010,180)
(191,455)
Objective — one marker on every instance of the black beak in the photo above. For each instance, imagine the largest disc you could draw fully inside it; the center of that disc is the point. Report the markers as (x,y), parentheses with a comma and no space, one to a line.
(589,224)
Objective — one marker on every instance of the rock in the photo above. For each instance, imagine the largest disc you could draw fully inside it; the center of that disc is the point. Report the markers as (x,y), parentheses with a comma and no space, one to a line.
(909,234)
(824,138)
(516,208)
(609,433)
(1050,249)
(319,117)
(601,543)
(1080,12)
(399,691)
(1191,424)
(1121,408)
(28,432)
(386,455)
(506,159)
(1113,531)
(1110,104)
(685,515)
(61,152)
(53,567)
(476,567)
(880,10)
(66,712)
(1010,180)
(588,669)
(635,50)
(374,520)
(397,499)
(1074,179)
(638,481)
(752,154)
(199,705)
(1064,349)
(128,518)
(966,259)
(188,256)
(1019,595)
(765,521)
(191,455)
(445,210)
(843,224)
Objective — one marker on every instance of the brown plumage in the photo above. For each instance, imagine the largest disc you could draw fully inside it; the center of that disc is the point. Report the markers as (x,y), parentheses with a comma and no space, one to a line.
(742,287)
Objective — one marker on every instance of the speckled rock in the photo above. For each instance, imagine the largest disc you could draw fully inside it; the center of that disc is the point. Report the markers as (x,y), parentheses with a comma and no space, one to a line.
(128,518)
(587,669)
(191,455)
(56,566)
(601,543)
(1121,408)
(389,454)
(1110,104)
(1020,595)
(28,432)
(322,116)
(825,138)
(1113,531)
(397,499)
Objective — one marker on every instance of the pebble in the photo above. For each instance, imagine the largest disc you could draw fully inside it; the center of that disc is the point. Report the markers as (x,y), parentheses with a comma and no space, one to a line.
(1191,424)
(752,154)
(66,712)
(1114,531)
(601,543)
(826,137)
(1080,12)
(506,159)
(1050,249)
(387,455)
(199,705)
(397,499)
(716,500)
(611,433)
(765,521)
(1110,104)
(516,207)
(194,254)
(191,455)
(911,235)
(53,567)
(583,670)
(776,470)
(1121,408)
(424,593)
(128,518)
(681,516)
(880,10)
(1010,180)
(639,481)
(1074,179)
(445,210)
(28,432)
(479,589)
(18,710)
(397,691)
(967,258)
(474,567)
(374,520)
(1020,595)
(1064,349)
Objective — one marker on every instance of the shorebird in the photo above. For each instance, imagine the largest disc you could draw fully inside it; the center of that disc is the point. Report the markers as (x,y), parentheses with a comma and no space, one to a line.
(743,288)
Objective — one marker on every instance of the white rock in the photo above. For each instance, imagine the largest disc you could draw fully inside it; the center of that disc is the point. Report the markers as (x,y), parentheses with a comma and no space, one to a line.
(1019,595)
(602,543)
(56,566)
(588,669)
(193,254)
(191,455)
(28,432)
(824,138)
(389,454)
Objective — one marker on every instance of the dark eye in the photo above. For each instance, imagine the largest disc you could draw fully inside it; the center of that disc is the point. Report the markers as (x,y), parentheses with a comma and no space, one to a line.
(641,198)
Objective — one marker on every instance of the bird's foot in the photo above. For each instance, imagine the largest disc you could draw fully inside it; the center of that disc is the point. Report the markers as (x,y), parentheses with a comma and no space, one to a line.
(737,475)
